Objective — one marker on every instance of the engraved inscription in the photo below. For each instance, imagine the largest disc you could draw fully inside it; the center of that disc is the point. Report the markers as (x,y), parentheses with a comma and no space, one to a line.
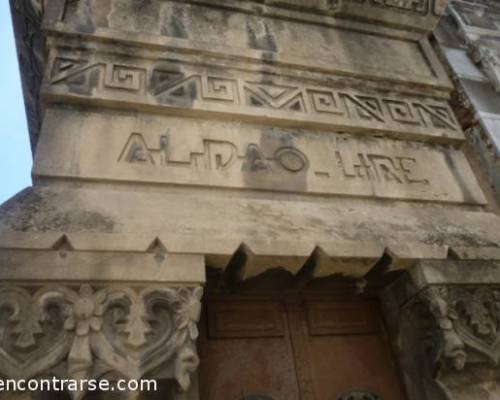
(378,167)
(223,155)
(170,150)
(216,155)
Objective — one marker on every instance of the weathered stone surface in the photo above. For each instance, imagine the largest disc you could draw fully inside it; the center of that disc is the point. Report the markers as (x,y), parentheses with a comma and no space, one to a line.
(421,14)
(156,265)
(313,138)
(277,232)
(249,32)
(116,147)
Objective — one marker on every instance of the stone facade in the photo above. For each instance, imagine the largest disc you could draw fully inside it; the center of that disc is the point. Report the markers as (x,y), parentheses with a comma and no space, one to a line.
(468,41)
(172,138)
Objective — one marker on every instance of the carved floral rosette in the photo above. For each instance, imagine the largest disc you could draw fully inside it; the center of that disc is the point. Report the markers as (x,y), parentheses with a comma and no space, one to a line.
(122,330)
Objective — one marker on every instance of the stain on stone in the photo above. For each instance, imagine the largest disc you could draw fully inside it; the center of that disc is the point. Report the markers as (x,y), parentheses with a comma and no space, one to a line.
(277,136)
(268,56)
(147,10)
(275,161)
(80,220)
(168,85)
(17,211)
(80,15)
(136,15)
(457,239)
(173,25)
(455,170)
(31,210)
(267,79)
(102,12)
(259,36)
(181,96)
(140,5)
(84,83)
(254,160)
(163,76)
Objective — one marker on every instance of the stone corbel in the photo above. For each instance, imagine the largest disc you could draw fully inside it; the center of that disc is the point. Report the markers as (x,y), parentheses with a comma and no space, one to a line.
(85,332)
(489,61)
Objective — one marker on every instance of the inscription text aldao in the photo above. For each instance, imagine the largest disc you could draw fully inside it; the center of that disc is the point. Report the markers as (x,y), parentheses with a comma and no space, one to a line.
(220,155)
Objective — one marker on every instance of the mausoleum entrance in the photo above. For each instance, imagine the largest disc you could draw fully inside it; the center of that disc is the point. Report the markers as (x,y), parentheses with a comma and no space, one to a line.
(312,345)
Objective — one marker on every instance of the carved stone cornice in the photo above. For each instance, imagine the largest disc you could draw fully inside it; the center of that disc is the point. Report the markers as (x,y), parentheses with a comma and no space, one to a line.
(85,332)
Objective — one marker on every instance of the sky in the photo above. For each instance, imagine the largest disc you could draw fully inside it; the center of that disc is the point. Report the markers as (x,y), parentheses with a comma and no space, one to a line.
(15,153)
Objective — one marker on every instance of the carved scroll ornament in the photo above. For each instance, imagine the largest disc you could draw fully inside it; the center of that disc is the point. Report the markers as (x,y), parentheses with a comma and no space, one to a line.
(93,331)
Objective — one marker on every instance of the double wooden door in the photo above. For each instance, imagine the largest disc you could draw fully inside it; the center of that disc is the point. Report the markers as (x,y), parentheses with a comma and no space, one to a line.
(307,349)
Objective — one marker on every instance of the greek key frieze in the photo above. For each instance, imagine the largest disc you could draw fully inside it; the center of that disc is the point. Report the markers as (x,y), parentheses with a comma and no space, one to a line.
(87,74)
(170,87)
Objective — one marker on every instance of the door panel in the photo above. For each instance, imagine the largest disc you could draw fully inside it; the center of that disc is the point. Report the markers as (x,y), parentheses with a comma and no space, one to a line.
(295,350)
(346,350)
(246,351)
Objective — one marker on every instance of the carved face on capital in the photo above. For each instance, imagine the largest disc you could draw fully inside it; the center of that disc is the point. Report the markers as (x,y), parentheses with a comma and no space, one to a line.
(185,364)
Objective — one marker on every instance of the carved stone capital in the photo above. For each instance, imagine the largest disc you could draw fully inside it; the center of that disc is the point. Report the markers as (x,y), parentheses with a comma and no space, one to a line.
(88,331)
(448,340)
(465,318)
